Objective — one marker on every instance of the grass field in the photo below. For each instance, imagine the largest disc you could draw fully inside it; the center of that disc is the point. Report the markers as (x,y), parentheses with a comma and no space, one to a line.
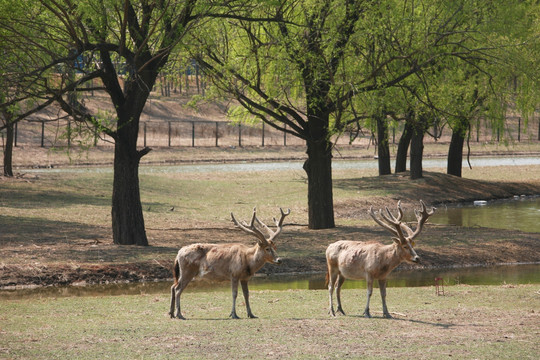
(469,322)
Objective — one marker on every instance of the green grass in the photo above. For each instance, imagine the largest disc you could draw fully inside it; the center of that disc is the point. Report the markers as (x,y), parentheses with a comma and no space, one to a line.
(481,322)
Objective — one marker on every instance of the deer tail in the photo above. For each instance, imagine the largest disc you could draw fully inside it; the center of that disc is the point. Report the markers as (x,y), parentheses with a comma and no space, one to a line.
(176,271)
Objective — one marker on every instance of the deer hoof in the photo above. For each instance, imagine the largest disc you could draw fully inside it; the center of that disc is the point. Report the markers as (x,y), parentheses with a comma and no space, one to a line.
(234,316)
(367,314)
(387,316)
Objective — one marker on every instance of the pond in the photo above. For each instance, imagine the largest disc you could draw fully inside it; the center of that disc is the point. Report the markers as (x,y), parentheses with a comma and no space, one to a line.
(493,275)
(520,213)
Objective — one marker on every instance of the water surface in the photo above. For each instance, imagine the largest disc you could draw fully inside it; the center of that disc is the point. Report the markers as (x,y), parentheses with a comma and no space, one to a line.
(493,275)
(520,213)
(289,165)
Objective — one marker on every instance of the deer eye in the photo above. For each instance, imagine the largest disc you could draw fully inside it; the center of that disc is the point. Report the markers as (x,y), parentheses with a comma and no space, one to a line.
(267,249)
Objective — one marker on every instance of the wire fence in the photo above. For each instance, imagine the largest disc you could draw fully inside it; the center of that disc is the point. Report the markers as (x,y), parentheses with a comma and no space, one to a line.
(179,133)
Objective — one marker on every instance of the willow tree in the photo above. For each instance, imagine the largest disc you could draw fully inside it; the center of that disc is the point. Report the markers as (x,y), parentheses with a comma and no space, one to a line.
(22,91)
(86,42)
(298,65)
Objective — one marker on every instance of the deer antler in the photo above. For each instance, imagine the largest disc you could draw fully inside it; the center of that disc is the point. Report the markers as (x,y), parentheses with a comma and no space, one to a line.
(390,221)
(394,224)
(279,224)
(251,229)
(421,216)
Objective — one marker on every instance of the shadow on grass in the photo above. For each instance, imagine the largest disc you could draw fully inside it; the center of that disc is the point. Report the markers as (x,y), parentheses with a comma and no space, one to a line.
(25,231)
(25,198)
(435,187)
(422,322)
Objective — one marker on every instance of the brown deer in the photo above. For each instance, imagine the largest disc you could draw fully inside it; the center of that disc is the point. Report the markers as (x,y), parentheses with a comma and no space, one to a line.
(236,262)
(372,260)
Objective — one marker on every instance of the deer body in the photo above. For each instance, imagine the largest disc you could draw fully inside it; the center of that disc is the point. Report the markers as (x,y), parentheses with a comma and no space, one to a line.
(372,260)
(218,262)
(236,262)
(358,260)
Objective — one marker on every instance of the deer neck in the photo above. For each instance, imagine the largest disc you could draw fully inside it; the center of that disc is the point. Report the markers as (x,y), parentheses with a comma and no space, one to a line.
(396,256)
(255,257)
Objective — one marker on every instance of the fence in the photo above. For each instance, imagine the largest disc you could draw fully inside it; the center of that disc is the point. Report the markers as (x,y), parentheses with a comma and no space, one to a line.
(178,133)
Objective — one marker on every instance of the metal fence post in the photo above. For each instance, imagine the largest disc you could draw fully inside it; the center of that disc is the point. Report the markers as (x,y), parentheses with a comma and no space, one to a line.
(239,135)
(169,133)
(144,127)
(69,133)
(217,133)
(519,128)
(263,134)
(42,133)
(538,130)
(193,134)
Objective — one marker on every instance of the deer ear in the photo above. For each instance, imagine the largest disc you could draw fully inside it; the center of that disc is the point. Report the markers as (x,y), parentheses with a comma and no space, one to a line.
(396,240)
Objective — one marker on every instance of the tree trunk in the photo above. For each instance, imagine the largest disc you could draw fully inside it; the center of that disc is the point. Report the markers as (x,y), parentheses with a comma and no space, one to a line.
(455,153)
(403,148)
(8,150)
(127,216)
(455,150)
(318,168)
(383,148)
(417,148)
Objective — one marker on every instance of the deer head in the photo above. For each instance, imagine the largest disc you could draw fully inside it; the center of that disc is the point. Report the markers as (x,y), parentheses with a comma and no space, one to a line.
(266,242)
(394,225)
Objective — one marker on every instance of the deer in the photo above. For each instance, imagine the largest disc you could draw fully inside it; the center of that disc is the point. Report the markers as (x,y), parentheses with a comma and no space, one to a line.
(372,260)
(234,261)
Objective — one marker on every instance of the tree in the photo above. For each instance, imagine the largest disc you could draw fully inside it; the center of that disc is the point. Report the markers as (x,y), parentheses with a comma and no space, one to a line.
(404,142)
(20,95)
(91,38)
(303,65)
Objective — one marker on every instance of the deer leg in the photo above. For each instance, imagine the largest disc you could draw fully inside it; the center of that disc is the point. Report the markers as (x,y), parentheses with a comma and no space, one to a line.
(234,284)
(245,290)
(382,287)
(340,281)
(332,277)
(171,311)
(369,292)
(176,291)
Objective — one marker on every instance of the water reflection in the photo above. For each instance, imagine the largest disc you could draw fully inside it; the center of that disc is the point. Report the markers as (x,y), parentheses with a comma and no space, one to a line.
(494,275)
(516,214)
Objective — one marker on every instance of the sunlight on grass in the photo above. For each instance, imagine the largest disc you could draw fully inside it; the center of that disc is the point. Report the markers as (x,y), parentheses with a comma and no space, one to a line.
(470,322)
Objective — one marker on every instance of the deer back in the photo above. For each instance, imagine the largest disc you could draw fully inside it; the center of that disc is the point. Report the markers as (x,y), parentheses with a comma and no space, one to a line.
(356,259)
(222,261)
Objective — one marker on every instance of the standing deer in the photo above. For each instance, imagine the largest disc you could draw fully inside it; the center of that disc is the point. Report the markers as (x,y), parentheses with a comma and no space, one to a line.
(372,260)
(236,262)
